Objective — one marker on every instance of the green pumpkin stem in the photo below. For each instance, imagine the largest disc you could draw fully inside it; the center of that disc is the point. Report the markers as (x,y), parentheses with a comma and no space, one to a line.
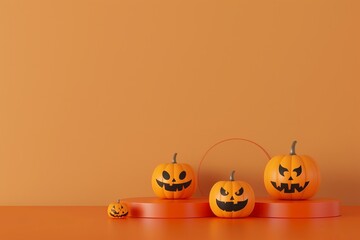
(232,178)
(174,158)
(292,150)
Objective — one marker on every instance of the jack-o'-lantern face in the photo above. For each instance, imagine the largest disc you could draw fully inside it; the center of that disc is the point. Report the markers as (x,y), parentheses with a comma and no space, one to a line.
(117,210)
(232,198)
(231,202)
(173,180)
(291,176)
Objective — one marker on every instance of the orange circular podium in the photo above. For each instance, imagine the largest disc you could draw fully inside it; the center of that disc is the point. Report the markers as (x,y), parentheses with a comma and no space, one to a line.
(151,207)
(311,208)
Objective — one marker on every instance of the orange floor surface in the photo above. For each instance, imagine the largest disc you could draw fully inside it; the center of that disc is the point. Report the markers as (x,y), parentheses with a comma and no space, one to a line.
(93,223)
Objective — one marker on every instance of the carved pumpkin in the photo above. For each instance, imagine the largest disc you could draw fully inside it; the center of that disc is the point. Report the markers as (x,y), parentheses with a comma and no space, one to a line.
(291,176)
(232,199)
(173,180)
(117,210)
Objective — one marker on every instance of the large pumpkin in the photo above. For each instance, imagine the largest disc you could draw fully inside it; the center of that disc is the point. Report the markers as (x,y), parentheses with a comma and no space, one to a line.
(291,176)
(232,199)
(173,180)
(117,210)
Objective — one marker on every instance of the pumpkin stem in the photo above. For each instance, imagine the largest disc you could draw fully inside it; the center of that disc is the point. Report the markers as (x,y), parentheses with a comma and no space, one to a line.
(292,150)
(232,175)
(118,201)
(174,158)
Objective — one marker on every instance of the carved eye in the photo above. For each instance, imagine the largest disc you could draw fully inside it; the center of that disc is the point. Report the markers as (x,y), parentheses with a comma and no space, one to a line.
(182,175)
(240,192)
(166,175)
(298,171)
(224,192)
(282,170)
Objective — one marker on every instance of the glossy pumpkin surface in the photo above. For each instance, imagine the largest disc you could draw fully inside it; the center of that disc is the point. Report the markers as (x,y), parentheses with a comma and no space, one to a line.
(232,199)
(173,180)
(291,176)
(117,210)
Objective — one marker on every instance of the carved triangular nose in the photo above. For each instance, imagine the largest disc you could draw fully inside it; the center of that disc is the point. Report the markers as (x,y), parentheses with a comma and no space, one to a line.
(232,198)
(290,178)
(173,180)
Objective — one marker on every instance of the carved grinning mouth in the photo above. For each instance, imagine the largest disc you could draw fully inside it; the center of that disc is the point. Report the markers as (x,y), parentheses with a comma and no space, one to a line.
(115,213)
(231,206)
(294,186)
(174,187)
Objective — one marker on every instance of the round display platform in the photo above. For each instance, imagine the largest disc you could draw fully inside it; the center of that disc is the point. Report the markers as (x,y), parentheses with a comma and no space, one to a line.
(312,208)
(151,207)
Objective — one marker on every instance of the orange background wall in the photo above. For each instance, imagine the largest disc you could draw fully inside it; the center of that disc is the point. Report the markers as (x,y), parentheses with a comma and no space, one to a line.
(95,94)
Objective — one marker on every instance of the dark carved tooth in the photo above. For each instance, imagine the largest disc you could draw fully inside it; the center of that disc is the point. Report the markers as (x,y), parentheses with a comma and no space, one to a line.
(293,187)
(175,186)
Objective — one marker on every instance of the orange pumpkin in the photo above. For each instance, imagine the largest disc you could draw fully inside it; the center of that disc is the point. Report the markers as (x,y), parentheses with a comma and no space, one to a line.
(173,180)
(117,210)
(291,176)
(232,199)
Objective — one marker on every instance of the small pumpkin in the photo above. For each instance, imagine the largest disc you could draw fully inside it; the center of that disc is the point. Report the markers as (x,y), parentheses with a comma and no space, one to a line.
(117,210)
(232,199)
(173,180)
(291,176)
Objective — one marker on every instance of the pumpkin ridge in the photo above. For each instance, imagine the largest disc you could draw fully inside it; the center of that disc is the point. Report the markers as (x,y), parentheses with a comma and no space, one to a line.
(305,175)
